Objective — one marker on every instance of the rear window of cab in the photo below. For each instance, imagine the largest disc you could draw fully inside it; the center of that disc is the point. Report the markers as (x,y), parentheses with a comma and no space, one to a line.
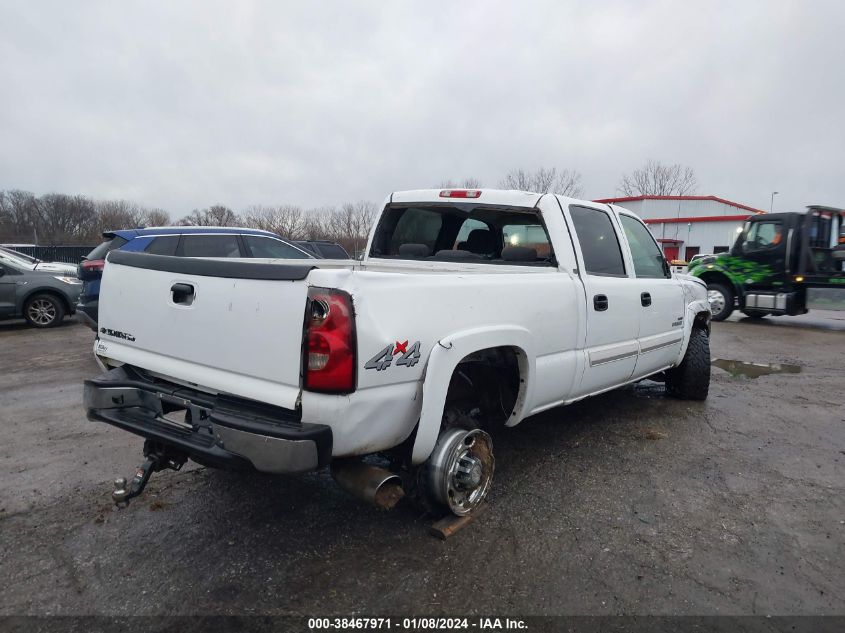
(471,233)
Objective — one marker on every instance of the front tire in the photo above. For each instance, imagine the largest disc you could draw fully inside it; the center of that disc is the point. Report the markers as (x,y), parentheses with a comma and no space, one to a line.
(721,299)
(691,379)
(43,311)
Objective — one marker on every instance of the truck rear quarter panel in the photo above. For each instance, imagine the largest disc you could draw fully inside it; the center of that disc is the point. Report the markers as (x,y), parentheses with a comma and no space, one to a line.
(444,317)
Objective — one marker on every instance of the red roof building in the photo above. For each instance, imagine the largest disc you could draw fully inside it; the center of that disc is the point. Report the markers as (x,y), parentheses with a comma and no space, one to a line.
(689,225)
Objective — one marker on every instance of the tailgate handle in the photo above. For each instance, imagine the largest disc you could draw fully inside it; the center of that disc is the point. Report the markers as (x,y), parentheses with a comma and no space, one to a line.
(183,294)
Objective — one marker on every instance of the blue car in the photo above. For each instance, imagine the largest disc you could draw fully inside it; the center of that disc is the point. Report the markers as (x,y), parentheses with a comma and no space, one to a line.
(180,241)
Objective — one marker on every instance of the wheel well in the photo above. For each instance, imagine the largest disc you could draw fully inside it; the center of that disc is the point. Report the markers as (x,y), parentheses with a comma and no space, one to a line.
(717,277)
(52,293)
(487,384)
(702,322)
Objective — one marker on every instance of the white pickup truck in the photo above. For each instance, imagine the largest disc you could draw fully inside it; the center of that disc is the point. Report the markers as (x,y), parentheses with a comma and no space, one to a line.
(472,310)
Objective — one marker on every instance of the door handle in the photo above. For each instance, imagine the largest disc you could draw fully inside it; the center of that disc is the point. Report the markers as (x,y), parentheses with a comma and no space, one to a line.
(183,294)
(645,299)
(600,303)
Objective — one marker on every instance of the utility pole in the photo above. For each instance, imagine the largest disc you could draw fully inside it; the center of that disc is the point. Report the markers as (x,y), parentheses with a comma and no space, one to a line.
(772,203)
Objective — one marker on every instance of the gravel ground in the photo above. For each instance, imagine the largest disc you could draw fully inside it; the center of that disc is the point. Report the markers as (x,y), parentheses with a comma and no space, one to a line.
(627,503)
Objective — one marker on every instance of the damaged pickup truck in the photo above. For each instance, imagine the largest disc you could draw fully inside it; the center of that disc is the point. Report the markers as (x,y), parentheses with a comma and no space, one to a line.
(471,311)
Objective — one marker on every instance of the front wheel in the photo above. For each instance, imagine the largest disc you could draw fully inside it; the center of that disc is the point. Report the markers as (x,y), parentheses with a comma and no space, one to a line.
(691,379)
(721,299)
(44,310)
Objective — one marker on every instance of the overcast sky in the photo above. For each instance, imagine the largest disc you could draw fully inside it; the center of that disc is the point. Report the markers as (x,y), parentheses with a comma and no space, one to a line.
(186,104)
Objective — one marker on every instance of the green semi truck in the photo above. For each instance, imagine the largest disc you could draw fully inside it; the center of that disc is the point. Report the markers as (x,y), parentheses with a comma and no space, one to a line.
(779,264)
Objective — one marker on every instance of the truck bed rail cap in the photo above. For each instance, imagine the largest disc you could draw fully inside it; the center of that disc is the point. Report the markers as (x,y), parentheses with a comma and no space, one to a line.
(227,269)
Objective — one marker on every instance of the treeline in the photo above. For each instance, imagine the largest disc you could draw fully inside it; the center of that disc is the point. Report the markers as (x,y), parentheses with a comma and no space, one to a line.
(348,225)
(60,219)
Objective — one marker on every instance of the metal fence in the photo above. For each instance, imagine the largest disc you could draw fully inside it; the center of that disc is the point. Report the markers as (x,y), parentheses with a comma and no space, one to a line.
(67,254)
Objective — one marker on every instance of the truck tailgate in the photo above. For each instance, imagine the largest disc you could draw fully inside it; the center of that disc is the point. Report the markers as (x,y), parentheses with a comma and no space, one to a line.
(231,326)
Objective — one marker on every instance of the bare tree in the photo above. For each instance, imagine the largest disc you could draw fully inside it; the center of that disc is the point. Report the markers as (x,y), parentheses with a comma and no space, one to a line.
(117,214)
(18,216)
(285,220)
(566,182)
(156,217)
(215,215)
(63,219)
(657,179)
(219,215)
(348,225)
(464,183)
(316,224)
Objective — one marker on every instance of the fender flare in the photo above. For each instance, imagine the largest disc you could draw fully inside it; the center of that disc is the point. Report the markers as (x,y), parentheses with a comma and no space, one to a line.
(693,309)
(448,352)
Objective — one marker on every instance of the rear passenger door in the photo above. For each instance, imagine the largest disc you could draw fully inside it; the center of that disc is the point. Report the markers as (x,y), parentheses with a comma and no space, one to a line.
(661,299)
(613,303)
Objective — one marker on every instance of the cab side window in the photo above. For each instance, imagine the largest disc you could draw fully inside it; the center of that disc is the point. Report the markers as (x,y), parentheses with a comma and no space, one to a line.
(762,235)
(599,244)
(648,260)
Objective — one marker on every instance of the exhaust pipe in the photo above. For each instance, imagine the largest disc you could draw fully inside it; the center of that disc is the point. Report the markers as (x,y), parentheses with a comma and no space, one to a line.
(372,484)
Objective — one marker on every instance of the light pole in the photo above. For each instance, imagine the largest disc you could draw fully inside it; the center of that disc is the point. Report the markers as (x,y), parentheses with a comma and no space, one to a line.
(772,203)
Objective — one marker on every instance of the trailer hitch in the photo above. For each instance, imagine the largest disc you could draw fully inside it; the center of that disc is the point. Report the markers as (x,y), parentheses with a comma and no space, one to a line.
(157,458)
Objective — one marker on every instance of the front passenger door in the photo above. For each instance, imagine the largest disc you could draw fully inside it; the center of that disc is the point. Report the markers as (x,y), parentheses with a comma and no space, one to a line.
(662,304)
(612,301)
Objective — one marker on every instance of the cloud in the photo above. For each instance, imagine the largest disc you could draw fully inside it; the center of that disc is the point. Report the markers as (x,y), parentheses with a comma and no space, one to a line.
(183,105)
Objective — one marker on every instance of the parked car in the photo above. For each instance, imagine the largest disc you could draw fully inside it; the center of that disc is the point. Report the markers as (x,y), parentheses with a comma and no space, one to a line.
(33,263)
(471,311)
(42,298)
(178,241)
(323,249)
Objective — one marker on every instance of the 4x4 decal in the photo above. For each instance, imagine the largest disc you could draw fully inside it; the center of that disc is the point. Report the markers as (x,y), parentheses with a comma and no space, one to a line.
(383,360)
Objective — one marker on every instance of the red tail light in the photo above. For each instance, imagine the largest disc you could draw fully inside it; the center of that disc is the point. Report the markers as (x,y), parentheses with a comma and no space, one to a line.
(460,193)
(329,358)
(93,265)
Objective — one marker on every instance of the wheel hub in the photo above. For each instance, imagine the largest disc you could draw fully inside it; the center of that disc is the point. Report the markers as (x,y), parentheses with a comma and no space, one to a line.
(461,469)
(469,472)
(717,301)
(42,312)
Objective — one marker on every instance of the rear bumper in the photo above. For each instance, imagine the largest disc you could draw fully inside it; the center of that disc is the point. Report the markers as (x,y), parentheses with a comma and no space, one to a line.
(216,430)
(88,311)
